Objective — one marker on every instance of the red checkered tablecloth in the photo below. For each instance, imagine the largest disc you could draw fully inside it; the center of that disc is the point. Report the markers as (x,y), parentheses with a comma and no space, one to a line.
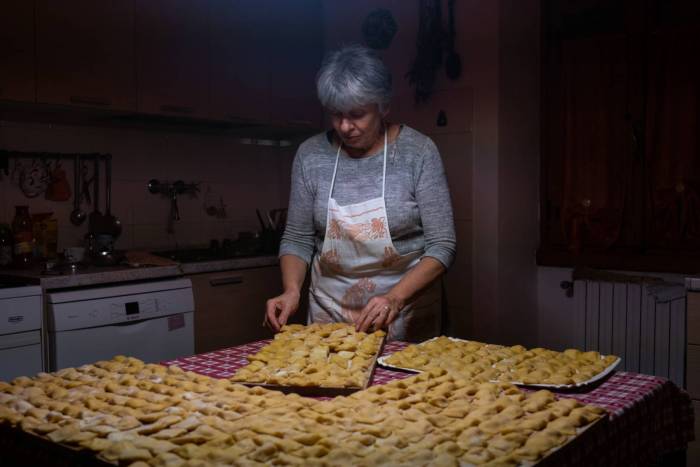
(649,416)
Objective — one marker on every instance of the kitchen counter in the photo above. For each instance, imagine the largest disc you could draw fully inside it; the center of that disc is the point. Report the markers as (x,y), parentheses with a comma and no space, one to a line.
(96,275)
(228,264)
(88,276)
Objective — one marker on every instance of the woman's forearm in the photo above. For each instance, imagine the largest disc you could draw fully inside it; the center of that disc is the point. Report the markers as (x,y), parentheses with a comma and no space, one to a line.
(293,273)
(415,280)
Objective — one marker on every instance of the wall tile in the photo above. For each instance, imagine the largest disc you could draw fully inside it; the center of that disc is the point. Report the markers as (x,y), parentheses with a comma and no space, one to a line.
(244,176)
(150,237)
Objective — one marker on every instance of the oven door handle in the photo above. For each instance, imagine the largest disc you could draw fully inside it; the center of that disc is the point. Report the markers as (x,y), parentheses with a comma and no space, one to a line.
(229,280)
(132,323)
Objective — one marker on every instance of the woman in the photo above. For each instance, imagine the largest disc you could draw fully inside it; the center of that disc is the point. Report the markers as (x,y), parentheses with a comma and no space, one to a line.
(369,210)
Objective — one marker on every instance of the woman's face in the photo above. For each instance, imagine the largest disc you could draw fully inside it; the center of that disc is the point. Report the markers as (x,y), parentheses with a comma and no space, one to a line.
(360,128)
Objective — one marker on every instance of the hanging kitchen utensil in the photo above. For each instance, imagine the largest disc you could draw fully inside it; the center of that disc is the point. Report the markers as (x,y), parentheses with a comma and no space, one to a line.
(282,220)
(210,200)
(77,216)
(260,219)
(270,220)
(154,186)
(174,212)
(34,179)
(453,64)
(86,182)
(96,215)
(112,223)
(221,210)
(58,189)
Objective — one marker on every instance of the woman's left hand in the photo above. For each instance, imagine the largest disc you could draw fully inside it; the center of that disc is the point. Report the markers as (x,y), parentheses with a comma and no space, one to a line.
(379,312)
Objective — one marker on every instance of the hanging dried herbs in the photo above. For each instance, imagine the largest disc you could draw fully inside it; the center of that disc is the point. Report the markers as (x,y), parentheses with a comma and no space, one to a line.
(429,49)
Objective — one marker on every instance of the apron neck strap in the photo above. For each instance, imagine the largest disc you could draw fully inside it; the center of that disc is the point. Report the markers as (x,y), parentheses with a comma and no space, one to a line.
(337,158)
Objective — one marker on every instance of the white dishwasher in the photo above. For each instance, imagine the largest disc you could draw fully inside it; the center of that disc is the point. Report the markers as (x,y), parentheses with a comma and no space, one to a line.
(20,331)
(152,321)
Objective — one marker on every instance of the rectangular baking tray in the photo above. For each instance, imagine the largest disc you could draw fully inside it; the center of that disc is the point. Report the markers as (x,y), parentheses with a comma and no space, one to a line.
(24,448)
(323,391)
(560,455)
(21,447)
(603,374)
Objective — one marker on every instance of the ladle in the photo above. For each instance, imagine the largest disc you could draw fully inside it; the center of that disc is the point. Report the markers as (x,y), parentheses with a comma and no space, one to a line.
(112,222)
(77,216)
(96,216)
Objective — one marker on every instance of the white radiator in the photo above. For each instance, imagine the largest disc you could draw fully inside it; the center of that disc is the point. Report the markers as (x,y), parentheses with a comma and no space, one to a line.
(642,323)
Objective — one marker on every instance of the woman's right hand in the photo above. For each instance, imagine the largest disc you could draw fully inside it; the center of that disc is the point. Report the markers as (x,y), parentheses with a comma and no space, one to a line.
(280,308)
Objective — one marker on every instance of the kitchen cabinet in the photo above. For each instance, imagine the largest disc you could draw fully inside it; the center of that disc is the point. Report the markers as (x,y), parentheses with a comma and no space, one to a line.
(240,51)
(692,372)
(17,51)
(172,47)
(264,59)
(295,59)
(20,331)
(85,53)
(221,60)
(694,446)
(230,306)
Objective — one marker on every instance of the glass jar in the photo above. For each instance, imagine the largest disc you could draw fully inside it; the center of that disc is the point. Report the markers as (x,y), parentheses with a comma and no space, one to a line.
(6,242)
(23,237)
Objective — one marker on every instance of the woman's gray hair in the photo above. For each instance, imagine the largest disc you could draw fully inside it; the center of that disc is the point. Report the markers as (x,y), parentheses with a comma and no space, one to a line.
(352,77)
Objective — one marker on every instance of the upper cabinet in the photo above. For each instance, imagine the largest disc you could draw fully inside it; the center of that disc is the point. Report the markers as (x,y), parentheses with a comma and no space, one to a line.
(295,59)
(240,51)
(226,60)
(264,58)
(172,40)
(17,51)
(85,53)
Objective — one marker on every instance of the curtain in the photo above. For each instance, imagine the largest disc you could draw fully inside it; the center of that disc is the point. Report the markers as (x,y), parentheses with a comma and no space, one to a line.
(596,139)
(672,132)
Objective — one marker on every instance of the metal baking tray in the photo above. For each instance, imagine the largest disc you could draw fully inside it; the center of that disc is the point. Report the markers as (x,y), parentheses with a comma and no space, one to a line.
(603,374)
(560,455)
(323,391)
(21,447)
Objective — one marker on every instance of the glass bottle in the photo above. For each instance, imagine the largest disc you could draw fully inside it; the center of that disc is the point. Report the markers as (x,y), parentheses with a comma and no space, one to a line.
(23,237)
(6,242)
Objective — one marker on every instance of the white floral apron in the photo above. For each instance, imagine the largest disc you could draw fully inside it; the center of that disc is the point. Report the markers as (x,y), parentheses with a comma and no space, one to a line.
(358,261)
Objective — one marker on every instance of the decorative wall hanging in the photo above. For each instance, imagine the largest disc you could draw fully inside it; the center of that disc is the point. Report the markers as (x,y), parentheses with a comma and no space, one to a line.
(379,29)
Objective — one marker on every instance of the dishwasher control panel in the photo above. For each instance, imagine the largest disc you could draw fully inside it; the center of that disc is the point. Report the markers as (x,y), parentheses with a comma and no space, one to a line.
(113,306)
(134,310)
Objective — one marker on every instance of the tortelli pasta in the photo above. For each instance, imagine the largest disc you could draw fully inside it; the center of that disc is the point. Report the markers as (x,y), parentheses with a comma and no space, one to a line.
(323,355)
(488,362)
(139,414)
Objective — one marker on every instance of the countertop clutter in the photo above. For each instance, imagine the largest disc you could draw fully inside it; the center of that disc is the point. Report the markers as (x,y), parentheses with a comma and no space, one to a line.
(89,275)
